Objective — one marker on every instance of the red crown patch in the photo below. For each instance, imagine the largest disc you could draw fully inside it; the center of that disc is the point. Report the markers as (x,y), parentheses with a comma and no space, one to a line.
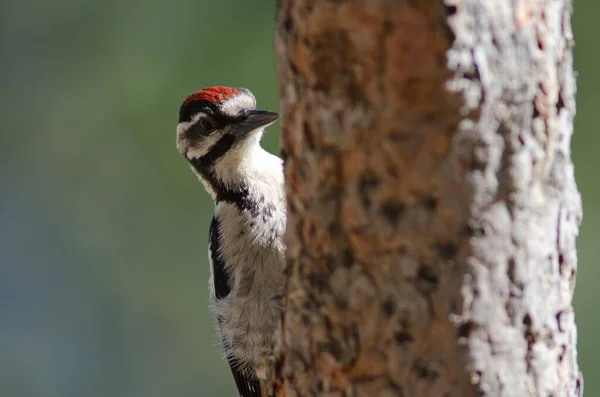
(214,94)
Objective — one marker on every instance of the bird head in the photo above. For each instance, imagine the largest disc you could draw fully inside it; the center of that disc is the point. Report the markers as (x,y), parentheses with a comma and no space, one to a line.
(218,121)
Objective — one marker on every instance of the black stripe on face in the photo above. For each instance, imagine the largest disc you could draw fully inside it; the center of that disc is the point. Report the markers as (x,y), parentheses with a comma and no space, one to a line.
(204,166)
(220,276)
(205,125)
(222,146)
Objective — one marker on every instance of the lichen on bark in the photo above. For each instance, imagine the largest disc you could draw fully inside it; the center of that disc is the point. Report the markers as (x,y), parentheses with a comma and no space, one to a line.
(432,208)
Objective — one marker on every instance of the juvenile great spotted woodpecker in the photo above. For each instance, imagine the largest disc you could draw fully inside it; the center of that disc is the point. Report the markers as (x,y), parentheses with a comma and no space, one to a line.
(219,134)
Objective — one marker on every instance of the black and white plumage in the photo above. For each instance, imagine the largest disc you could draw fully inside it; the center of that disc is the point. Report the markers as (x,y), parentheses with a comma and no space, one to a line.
(219,133)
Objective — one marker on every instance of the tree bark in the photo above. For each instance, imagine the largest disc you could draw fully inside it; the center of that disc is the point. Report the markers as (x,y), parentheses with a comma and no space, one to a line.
(432,207)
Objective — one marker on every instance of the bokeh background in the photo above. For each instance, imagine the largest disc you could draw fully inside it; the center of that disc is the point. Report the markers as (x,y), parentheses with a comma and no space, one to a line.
(103,229)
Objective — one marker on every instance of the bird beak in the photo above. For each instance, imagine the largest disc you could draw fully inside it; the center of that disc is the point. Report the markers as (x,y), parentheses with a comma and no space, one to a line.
(256,119)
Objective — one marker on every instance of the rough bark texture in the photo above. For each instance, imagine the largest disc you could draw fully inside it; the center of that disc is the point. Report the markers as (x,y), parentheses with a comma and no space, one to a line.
(432,205)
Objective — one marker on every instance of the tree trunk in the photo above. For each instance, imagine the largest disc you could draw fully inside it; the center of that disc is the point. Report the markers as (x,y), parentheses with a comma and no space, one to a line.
(432,205)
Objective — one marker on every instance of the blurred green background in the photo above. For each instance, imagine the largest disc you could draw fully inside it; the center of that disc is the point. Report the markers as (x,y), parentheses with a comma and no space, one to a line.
(103,228)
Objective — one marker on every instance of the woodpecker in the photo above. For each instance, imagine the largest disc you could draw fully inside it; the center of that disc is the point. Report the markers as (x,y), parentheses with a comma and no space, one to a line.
(219,134)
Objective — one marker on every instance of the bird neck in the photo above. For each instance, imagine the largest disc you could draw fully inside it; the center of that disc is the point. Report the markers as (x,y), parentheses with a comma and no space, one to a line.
(227,177)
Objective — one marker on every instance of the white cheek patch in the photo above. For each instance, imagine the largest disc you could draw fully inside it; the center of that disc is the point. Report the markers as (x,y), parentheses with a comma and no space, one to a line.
(233,106)
(204,146)
(181,142)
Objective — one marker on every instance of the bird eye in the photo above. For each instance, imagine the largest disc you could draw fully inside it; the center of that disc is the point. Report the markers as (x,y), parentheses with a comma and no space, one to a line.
(206,124)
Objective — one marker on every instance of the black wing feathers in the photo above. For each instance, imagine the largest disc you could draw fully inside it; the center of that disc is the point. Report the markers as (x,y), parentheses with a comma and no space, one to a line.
(247,386)
(220,277)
